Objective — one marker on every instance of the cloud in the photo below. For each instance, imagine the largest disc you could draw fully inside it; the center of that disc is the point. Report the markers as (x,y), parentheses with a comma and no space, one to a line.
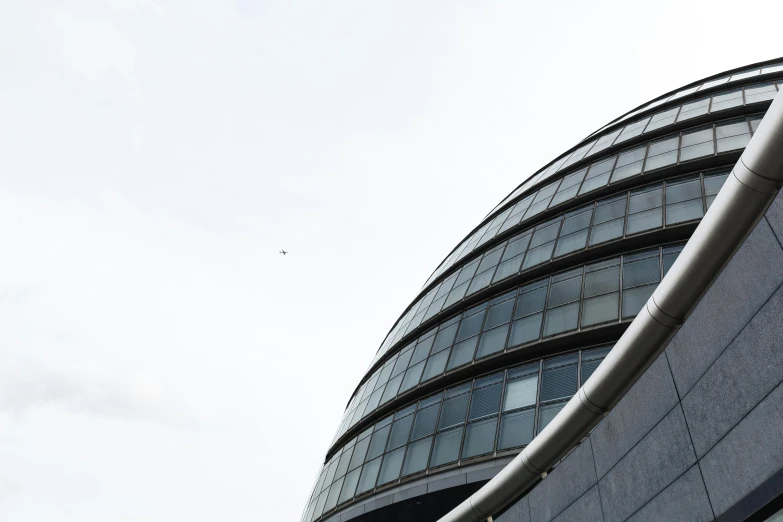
(88,390)
(94,47)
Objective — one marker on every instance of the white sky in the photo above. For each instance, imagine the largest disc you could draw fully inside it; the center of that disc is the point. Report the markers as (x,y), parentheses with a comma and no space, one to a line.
(159,360)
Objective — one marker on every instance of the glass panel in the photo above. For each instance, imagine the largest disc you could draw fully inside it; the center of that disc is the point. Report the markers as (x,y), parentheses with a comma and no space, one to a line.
(390,470)
(516,429)
(600,309)
(424,425)
(454,411)
(545,233)
(547,413)
(662,119)
(369,474)
(499,314)
(331,500)
(521,392)
(644,221)
(480,438)
(632,130)
(492,341)
(435,365)
(561,319)
(446,447)
(531,298)
(462,353)
(597,175)
(635,299)
(526,330)
(445,338)
(662,153)
(760,93)
(399,433)
(712,185)
(349,486)
(486,401)
(606,231)
(694,108)
(568,188)
(539,255)
(629,164)
(590,361)
(726,100)
(391,389)
(359,452)
(470,326)
(670,255)
(558,383)
(732,135)
(645,199)
(378,442)
(417,456)
(565,288)
(412,377)
(508,268)
(571,243)
(641,269)
(685,211)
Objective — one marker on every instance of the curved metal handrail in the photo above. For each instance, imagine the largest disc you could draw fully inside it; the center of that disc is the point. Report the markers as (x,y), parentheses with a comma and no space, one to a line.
(743,200)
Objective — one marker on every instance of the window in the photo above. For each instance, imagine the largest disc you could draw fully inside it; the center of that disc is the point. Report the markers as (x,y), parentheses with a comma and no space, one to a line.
(573,234)
(512,257)
(726,100)
(495,332)
(542,243)
(608,220)
(732,135)
(558,384)
(694,109)
(641,275)
(486,270)
(569,187)
(602,293)
(712,185)
(683,200)
(449,437)
(697,143)
(516,214)
(754,122)
(760,93)
(590,361)
(482,416)
(542,199)
(744,74)
(519,403)
(670,255)
(644,209)
(629,164)
(632,130)
(662,153)
(604,142)
(598,175)
(528,313)
(662,119)
(563,306)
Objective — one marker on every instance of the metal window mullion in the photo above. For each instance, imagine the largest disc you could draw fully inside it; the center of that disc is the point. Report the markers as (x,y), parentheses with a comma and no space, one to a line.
(435,430)
(537,405)
(465,422)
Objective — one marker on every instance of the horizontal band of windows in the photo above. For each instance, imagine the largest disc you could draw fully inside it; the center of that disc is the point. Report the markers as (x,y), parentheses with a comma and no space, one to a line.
(483,416)
(602,292)
(566,189)
(547,241)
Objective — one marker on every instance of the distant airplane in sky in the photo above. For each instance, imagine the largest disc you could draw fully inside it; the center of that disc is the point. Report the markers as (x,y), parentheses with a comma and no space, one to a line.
(283,252)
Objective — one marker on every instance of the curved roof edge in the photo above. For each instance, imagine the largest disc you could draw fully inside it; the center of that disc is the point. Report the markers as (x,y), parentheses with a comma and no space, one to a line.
(748,192)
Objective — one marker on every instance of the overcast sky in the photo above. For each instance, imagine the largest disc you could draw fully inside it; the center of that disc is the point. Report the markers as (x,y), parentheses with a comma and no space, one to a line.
(159,360)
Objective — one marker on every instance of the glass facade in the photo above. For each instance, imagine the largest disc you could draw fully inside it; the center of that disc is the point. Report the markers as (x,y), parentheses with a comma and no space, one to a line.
(522,312)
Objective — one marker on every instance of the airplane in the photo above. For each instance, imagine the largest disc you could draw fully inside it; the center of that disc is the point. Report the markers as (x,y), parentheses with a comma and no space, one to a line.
(283,252)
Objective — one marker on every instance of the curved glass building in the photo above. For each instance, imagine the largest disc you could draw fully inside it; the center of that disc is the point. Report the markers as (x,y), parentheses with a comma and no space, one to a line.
(523,310)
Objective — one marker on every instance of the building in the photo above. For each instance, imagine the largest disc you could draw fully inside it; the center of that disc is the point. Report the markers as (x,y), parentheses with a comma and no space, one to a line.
(522,312)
